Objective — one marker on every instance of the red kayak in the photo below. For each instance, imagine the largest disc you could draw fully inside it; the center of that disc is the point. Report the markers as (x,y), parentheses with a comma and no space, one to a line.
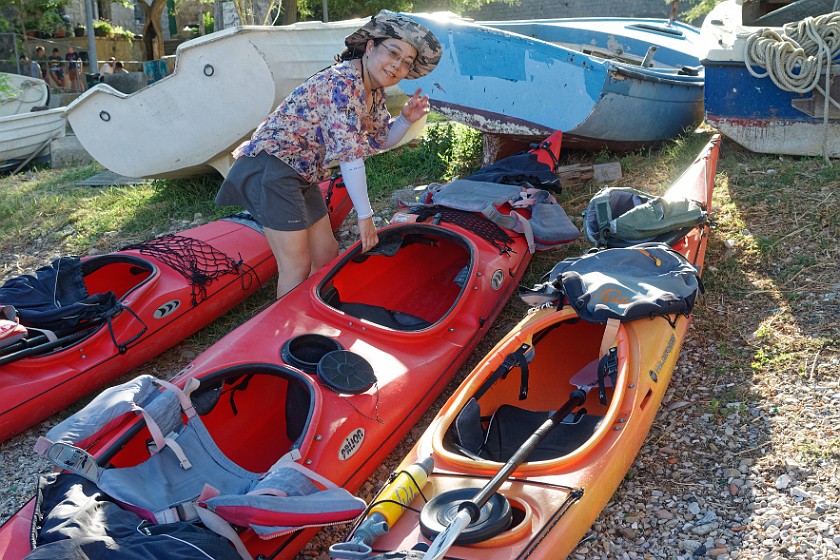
(167,289)
(343,366)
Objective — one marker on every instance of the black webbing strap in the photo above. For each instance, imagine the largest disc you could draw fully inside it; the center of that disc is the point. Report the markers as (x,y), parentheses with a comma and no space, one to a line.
(516,358)
(608,365)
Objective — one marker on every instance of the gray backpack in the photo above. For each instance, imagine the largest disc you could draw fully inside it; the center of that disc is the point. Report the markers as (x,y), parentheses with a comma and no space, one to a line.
(622,216)
(617,285)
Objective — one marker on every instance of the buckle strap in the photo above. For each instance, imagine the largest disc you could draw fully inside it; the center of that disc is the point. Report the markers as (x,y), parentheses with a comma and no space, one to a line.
(186,511)
(513,222)
(608,364)
(71,458)
(519,357)
(176,448)
(221,527)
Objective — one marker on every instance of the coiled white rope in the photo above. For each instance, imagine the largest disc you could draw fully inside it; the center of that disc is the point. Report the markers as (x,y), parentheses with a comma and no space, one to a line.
(796,59)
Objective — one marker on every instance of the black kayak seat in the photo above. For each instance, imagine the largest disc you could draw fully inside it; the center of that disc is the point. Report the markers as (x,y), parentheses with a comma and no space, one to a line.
(510,426)
(395,320)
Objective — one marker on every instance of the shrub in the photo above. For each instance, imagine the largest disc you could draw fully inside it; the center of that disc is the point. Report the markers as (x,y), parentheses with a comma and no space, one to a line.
(103,28)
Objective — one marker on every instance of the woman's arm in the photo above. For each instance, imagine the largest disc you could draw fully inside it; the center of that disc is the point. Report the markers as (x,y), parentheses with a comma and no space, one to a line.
(355,181)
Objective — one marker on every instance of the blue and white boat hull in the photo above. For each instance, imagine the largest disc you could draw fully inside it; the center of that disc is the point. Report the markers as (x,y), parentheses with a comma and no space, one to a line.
(585,78)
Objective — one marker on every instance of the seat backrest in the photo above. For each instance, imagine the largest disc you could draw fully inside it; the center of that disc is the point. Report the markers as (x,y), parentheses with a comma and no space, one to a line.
(187,469)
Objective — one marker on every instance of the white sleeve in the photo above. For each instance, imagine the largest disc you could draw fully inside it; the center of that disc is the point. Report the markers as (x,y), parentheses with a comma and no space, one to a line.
(355,181)
(399,127)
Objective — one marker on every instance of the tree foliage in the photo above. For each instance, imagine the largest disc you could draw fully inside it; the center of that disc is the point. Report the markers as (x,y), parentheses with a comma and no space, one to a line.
(19,15)
(348,9)
(698,8)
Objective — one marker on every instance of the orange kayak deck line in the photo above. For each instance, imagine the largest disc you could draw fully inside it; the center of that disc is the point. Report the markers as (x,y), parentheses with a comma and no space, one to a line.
(556,500)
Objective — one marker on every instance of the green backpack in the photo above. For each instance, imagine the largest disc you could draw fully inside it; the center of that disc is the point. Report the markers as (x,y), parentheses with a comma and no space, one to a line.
(622,216)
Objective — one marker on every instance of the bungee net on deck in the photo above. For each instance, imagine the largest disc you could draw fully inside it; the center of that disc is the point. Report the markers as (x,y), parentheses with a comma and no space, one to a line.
(476,223)
(199,262)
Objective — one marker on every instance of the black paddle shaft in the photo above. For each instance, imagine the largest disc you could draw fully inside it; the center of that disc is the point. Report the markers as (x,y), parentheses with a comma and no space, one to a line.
(576,398)
(43,348)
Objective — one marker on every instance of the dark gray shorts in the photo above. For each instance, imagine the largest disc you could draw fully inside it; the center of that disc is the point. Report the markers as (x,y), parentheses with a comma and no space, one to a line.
(274,193)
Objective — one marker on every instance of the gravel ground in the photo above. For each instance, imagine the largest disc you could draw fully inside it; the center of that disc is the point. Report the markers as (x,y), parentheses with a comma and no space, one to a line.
(742,460)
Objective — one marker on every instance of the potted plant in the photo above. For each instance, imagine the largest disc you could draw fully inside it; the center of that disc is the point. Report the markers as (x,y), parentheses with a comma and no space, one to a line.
(102,28)
(189,32)
(209,23)
(123,33)
(79,30)
(50,23)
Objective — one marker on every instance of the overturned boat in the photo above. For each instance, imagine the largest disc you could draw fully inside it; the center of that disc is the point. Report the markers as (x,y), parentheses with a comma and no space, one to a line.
(22,94)
(184,124)
(771,75)
(617,83)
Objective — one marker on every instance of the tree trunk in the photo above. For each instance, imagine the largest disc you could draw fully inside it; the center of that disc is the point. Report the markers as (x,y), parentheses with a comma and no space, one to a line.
(289,11)
(152,32)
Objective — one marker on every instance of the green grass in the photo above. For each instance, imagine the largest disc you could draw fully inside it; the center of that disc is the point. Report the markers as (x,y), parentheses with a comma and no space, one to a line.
(769,317)
(50,205)
(774,247)
(445,151)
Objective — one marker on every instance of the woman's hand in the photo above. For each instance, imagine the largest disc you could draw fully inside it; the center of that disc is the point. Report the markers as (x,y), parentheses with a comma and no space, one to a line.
(416,107)
(367,234)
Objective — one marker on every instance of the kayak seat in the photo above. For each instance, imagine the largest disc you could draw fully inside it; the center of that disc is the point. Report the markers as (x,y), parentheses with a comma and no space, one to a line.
(187,475)
(510,426)
(395,320)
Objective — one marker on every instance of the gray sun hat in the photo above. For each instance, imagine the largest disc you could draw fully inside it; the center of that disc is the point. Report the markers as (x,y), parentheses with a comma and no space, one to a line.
(388,25)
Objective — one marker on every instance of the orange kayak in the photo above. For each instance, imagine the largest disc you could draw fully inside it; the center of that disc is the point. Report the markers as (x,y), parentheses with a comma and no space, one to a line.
(342,367)
(555,499)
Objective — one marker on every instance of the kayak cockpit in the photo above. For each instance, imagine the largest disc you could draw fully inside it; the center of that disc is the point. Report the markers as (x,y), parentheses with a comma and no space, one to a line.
(562,355)
(255,413)
(121,274)
(410,281)
(66,302)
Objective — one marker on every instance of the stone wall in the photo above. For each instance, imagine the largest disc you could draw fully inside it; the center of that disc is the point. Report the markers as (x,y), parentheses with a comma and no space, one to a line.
(122,49)
(537,9)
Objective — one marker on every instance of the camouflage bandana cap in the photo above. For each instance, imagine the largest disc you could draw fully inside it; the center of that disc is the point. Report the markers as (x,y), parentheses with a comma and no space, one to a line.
(388,25)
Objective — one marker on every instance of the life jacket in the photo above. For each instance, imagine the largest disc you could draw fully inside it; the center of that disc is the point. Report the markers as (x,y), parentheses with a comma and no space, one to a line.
(55,297)
(187,477)
(534,212)
(520,168)
(623,216)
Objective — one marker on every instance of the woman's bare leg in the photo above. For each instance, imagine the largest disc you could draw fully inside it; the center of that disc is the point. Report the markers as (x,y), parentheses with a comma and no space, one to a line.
(323,246)
(294,264)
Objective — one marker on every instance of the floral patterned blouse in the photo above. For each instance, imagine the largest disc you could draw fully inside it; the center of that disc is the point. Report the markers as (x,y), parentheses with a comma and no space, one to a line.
(321,121)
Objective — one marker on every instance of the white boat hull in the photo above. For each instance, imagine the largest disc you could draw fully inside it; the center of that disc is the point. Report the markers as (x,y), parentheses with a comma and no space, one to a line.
(25,94)
(224,84)
(28,134)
